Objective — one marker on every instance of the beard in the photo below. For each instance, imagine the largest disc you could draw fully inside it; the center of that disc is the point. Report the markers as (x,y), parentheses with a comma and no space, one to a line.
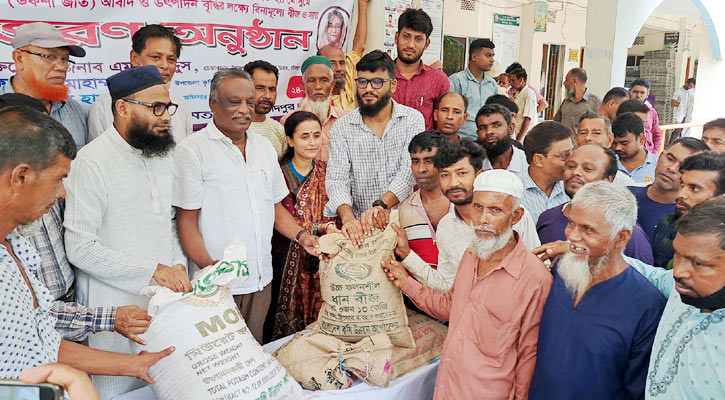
(52,93)
(577,271)
(411,60)
(151,145)
(498,148)
(371,110)
(485,248)
(340,83)
(320,108)
(263,107)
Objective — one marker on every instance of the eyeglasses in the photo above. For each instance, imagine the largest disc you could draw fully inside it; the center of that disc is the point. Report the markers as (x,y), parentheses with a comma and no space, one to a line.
(376,83)
(158,108)
(562,156)
(52,58)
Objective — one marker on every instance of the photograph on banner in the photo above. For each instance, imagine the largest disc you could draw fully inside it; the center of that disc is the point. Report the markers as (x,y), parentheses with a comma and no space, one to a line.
(214,34)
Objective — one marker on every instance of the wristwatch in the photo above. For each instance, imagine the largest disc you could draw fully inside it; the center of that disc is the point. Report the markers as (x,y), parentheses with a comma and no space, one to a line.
(380,203)
(299,235)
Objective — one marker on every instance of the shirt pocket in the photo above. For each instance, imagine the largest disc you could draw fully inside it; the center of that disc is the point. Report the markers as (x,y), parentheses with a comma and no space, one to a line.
(261,185)
(494,336)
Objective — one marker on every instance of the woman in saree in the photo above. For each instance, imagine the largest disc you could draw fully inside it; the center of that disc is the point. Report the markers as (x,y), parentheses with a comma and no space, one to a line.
(296,298)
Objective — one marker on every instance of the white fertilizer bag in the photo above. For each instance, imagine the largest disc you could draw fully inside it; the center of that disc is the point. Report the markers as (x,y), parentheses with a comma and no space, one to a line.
(216,357)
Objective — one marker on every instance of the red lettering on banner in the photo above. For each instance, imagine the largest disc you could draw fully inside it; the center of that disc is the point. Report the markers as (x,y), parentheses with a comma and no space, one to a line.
(120,30)
(295,88)
(238,7)
(230,36)
(78,4)
(117,3)
(293,13)
(210,4)
(77,33)
(34,3)
(301,3)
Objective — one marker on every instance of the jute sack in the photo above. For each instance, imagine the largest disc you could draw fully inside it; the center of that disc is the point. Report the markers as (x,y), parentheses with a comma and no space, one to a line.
(358,299)
(216,356)
(429,337)
(322,362)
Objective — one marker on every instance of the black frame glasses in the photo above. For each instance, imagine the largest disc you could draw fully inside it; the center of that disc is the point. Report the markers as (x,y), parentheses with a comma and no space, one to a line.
(52,58)
(376,83)
(158,108)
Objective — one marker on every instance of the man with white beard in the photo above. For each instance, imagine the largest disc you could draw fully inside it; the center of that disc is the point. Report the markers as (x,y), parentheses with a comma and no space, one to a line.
(601,316)
(317,78)
(491,335)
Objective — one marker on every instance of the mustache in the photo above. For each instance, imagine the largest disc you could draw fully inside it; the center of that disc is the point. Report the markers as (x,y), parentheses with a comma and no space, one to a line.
(265,101)
(456,188)
(684,285)
(483,228)
(242,115)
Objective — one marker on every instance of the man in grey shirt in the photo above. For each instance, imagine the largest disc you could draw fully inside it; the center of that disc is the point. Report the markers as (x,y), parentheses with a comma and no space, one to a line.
(578,101)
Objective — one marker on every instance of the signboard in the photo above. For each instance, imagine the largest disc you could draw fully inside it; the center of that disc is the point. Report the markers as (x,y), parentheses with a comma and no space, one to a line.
(542,12)
(506,33)
(671,40)
(215,35)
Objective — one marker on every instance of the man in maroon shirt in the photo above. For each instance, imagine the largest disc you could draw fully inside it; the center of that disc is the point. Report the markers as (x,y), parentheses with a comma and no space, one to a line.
(418,84)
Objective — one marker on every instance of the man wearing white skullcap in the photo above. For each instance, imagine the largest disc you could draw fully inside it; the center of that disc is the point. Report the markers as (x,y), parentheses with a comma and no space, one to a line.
(495,304)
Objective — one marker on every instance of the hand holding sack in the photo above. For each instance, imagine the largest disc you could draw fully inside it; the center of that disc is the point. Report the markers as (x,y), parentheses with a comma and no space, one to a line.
(216,356)
(358,299)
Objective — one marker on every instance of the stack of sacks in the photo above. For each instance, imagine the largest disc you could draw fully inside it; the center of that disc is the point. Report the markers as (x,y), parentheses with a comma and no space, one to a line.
(429,336)
(358,299)
(216,356)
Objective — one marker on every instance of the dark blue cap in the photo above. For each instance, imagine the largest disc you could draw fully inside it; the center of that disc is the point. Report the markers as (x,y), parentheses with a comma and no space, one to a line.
(130,81)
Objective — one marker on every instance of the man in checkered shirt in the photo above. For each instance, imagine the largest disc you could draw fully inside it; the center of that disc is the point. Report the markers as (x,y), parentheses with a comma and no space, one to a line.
(368,171)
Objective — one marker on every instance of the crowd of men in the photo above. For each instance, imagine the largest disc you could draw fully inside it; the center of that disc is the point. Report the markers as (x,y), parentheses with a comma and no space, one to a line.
(582,257)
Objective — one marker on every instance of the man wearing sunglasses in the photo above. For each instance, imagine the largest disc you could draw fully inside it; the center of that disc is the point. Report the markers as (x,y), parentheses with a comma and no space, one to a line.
(368,171)
(119,219)
(42,57)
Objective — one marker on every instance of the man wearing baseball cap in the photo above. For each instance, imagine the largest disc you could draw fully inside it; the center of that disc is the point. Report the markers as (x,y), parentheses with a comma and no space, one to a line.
(495,303)
(42,58)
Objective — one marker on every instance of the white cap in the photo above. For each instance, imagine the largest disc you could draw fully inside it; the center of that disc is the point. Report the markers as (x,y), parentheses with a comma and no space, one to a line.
(495,70)
(500,181)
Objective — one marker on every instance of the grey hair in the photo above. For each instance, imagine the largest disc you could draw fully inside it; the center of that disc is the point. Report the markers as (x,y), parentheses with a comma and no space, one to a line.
(619,204)
(223,74)
(304,75)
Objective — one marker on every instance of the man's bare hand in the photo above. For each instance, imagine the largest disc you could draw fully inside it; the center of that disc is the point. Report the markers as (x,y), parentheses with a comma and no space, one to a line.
(132,321)
(145,360)
(376,217)
(396,272)
(174,278)
(550,251)
(353,231)
(311,244)
(402,248)
(76,383)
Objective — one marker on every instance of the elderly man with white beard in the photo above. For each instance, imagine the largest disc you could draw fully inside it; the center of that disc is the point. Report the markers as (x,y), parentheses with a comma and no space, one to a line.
(601,316)
(495,304)
(317,78)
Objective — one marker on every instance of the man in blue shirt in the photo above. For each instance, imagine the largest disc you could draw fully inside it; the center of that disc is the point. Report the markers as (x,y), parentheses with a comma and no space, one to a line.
(658,199)
(473,83)
(42,58)
(634,160)
(600,319)
(688,353)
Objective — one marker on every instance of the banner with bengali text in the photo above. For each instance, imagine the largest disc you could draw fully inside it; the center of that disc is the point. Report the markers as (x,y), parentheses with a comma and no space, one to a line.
(215,35)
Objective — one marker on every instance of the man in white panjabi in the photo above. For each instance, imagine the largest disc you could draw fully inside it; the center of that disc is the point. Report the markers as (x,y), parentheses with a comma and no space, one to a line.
(119,225)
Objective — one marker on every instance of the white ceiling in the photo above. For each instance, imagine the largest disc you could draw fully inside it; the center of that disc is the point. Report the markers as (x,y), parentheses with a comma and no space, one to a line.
(677,9)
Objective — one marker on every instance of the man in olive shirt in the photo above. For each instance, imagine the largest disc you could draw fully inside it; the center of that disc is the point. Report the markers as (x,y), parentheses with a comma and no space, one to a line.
(578,101)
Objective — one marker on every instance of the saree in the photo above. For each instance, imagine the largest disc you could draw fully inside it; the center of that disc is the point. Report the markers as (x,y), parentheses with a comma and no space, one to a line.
(298,298)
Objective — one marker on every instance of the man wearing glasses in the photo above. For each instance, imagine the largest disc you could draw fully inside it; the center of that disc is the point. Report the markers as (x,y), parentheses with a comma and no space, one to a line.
(547,147)
(42,57)
(119,219)
(369,166)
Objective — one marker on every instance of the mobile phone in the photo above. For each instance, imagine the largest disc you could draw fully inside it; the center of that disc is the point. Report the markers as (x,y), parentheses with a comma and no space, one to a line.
(17,390)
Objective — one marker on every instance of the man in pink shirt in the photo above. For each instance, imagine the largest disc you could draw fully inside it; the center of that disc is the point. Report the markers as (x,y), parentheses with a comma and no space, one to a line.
(639,89)
(419,85)
(495,304)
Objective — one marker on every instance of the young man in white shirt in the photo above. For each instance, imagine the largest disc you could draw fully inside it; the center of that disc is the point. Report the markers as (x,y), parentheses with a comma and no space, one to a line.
(525,99)
(265,77)
(227,185)
(151,45)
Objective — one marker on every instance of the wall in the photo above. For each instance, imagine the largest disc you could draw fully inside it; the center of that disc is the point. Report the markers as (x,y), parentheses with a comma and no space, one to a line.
(653,40)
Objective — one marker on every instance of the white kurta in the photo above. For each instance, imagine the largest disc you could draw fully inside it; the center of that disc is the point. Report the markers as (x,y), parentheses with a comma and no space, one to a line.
(119,226)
